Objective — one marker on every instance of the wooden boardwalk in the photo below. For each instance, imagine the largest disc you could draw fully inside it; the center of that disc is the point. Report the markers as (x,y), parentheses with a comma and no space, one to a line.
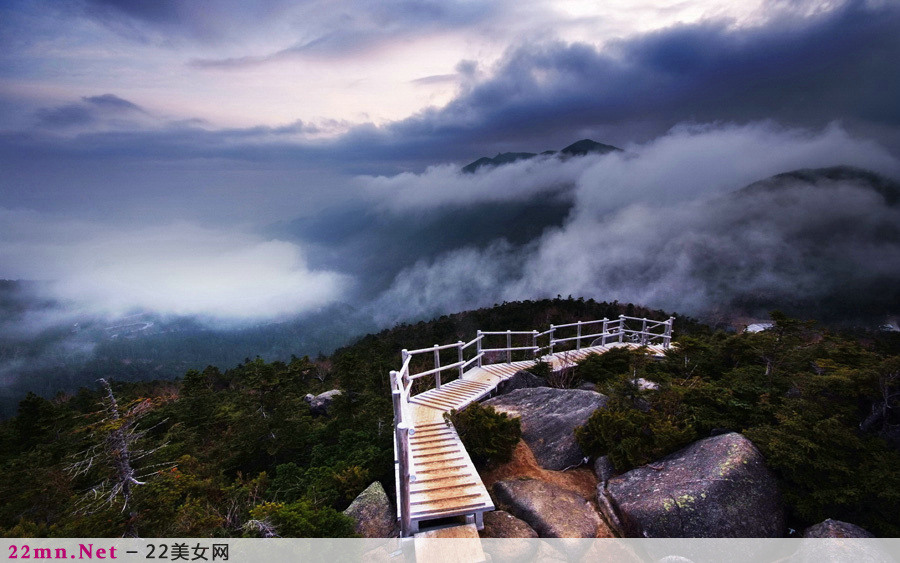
(446,482)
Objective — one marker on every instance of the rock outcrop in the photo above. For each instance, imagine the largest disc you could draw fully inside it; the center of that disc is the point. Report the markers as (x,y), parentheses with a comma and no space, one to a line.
(373,513)
(604,469)
(836,529)
(549,417)
(552,512)
(319,404)
(520,380)
(833,541)
(716,487)
(502,524)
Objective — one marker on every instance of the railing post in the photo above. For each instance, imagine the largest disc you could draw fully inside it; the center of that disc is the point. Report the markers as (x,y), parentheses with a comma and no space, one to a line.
(459,345)
(534,344)
(578,339)
(437,365)
(621,328)
(395,397)
(667,339)
(509,346)
(644,332)
(605,331)
(478,347)
(403,458)
(552,331)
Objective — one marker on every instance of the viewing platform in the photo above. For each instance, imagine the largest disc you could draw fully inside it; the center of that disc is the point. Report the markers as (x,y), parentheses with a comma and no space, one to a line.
(435,476)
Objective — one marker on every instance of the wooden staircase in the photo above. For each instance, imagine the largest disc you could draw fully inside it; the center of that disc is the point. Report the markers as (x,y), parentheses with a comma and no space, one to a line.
(434,473)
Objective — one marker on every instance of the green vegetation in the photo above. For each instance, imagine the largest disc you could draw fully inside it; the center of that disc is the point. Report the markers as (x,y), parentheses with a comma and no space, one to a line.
(237,452)
(822,408)
(490,437)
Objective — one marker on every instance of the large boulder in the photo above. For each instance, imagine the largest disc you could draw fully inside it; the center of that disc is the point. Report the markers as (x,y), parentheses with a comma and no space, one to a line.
(502,524)
(549,417)
(604,469)
(320,404)
(373,513)
(520,380)
(836,529)
(506,538)
(833,541)
(716,487)
(553,512)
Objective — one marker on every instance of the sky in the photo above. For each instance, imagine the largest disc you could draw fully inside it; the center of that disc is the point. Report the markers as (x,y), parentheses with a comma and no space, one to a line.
(253,160)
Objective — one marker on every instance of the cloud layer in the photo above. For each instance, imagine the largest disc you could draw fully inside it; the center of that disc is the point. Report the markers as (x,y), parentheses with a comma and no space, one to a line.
(174,269)
(664,225)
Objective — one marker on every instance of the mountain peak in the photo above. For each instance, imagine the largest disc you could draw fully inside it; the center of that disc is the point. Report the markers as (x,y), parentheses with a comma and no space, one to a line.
(585,146)
(578,148)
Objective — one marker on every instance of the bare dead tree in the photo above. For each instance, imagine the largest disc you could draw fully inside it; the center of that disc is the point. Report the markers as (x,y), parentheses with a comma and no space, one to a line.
(113,450)
(264,528)
(566,376)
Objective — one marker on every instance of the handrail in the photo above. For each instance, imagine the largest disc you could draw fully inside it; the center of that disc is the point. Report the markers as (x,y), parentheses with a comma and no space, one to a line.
(585,336)
(614,330)
(433,348)
(436,370)
(532,348)
(582,323)
(470,342)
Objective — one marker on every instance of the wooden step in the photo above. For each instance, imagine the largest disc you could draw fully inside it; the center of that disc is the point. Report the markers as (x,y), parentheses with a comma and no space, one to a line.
(426,464)
(429,457)
(443,499)
(445,509)
(448,481)
(428,449)
(433,442)
(425,473)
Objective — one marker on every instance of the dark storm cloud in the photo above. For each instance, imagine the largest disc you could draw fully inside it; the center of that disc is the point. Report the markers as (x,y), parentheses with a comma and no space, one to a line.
(65,116)
(668,224)
(163,21)
(112,102)
(353,27)
(840,65)
(90,110)
(156,11)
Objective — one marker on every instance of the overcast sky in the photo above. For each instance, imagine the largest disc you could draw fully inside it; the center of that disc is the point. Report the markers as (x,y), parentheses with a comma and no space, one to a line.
(176,155)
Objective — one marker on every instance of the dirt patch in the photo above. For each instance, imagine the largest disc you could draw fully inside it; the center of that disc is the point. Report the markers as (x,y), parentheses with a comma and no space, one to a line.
(580,480)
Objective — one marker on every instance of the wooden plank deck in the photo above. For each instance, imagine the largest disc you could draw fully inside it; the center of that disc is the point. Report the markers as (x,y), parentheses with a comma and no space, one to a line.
(447,483)
(465,547)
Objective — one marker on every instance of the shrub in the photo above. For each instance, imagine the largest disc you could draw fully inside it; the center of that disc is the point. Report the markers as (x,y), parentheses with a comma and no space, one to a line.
(633,437)
(299,519)
(541,368)
(490,437)
(604,368)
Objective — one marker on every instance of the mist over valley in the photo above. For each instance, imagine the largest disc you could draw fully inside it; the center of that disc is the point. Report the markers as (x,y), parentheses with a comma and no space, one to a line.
(243,194)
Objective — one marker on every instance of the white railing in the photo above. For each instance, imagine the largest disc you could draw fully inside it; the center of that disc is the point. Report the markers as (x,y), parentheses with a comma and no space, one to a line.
(401,384)
(599,332)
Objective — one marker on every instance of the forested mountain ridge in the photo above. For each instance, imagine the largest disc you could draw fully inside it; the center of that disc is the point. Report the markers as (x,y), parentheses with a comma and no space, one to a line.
(578,148)
(229,448)
(226,443)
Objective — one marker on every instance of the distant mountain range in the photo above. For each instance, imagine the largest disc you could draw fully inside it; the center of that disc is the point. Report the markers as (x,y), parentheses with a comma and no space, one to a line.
(886,187)
(578,148)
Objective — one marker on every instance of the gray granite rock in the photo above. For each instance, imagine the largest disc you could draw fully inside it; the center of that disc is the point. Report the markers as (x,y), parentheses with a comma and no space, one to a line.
(552,512)
(836,529)
(520,380)
(716,487)
(549,417)
(373,513)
